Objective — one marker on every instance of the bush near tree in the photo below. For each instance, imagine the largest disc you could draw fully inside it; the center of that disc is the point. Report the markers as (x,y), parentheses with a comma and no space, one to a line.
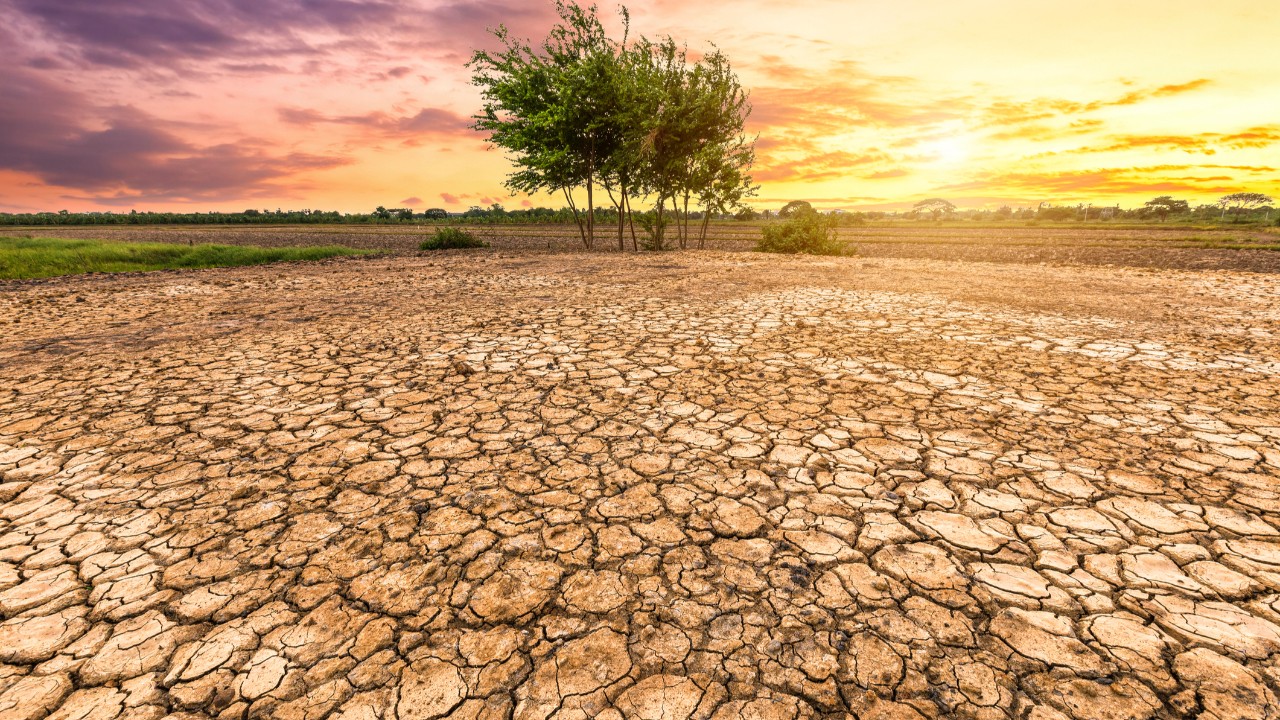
(450,238)
(804,232)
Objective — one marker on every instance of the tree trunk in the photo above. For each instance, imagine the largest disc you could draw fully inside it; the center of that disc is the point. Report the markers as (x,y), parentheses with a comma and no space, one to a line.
(684,228)
(577,219)
(591,204)
(631,220)
(702,234)
(658,230)
(622,219)
(618,204)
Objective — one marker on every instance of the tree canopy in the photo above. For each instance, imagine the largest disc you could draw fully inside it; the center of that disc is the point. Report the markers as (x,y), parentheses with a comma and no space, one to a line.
(638,119)
(1238,202)
(796,207)
(935,206)
(1165,205)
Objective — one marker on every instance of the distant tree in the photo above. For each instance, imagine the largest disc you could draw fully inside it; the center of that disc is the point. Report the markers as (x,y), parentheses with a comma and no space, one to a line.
(382,213)
(436,214)
(1004,213)
(1165,205)
(746,213)
(937,207)
(404,213)
(794,208)
(1241,201)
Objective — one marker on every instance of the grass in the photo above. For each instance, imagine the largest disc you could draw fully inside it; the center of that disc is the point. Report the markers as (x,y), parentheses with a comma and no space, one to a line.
(25,258)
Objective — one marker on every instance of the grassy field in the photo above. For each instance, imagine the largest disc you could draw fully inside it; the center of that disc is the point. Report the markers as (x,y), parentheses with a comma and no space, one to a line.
(24,258)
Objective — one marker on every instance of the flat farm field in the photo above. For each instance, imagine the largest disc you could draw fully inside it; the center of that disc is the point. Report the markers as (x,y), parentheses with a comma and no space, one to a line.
(1247,247)
(509,483)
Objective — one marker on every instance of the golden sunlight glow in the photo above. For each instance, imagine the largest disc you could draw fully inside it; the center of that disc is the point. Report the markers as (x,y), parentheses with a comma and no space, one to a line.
(869,105)
(948,150)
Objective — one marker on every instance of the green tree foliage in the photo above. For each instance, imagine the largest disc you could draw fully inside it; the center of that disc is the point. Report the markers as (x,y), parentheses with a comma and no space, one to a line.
(936,207)
(796,207)
(1242,201)
(638,119)
(1163,206)
(810,233)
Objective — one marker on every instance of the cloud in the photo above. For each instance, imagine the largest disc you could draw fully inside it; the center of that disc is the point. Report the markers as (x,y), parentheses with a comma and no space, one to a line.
(887,174)
(148,33)
(411,201)
(1075,183)
(1203,143)
(43,133)
(464,25)
(841,97)
(425,122)
(816,167)
(1012,112)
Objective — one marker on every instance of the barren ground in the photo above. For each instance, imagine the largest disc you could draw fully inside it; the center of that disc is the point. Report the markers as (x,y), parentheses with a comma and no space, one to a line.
(1153,246)
(717,485)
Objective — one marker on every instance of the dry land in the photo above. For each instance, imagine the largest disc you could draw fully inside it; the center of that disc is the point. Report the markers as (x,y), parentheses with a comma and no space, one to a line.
(717,485)
(1246,247)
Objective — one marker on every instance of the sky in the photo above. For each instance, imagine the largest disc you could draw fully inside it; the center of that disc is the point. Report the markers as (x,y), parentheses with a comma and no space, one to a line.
(197,105)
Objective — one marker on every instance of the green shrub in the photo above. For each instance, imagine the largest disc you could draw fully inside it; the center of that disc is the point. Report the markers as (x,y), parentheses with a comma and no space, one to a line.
(451,238)
(806,232)
(655,231)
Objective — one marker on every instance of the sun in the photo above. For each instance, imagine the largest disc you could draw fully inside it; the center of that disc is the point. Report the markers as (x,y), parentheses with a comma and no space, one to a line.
(949,150)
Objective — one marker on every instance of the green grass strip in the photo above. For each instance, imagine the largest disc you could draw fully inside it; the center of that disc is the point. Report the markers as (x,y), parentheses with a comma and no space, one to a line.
(25,258)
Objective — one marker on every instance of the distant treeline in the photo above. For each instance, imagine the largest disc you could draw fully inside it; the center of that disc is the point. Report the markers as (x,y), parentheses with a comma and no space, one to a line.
(1158,210)
(380,216)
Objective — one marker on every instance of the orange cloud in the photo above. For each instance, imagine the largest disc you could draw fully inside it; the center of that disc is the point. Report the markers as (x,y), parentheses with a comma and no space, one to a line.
(1111,181)
(813,167)
(1205,143)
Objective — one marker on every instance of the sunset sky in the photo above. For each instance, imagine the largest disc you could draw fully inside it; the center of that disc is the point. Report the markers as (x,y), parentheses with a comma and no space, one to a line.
(349,104)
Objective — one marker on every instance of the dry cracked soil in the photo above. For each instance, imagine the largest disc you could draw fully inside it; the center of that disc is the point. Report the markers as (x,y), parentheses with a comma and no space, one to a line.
(705,485)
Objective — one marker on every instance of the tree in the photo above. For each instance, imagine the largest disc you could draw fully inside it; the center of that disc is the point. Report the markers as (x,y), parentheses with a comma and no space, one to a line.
(796,207)
(638,119)
(935,206)
(1238,202)
(1164,205)
(544,106)
(403,213)
(382,213)
(436,214)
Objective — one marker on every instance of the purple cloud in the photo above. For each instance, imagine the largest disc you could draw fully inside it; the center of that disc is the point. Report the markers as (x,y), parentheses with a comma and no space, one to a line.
(426,122)
(42,133)
(150,33)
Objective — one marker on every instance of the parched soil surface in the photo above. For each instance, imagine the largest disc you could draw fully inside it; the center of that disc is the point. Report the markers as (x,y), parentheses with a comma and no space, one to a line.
(1252,248)
(708,485)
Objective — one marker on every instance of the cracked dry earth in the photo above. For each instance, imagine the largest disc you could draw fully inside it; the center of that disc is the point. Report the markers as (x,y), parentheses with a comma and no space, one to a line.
(691,486)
